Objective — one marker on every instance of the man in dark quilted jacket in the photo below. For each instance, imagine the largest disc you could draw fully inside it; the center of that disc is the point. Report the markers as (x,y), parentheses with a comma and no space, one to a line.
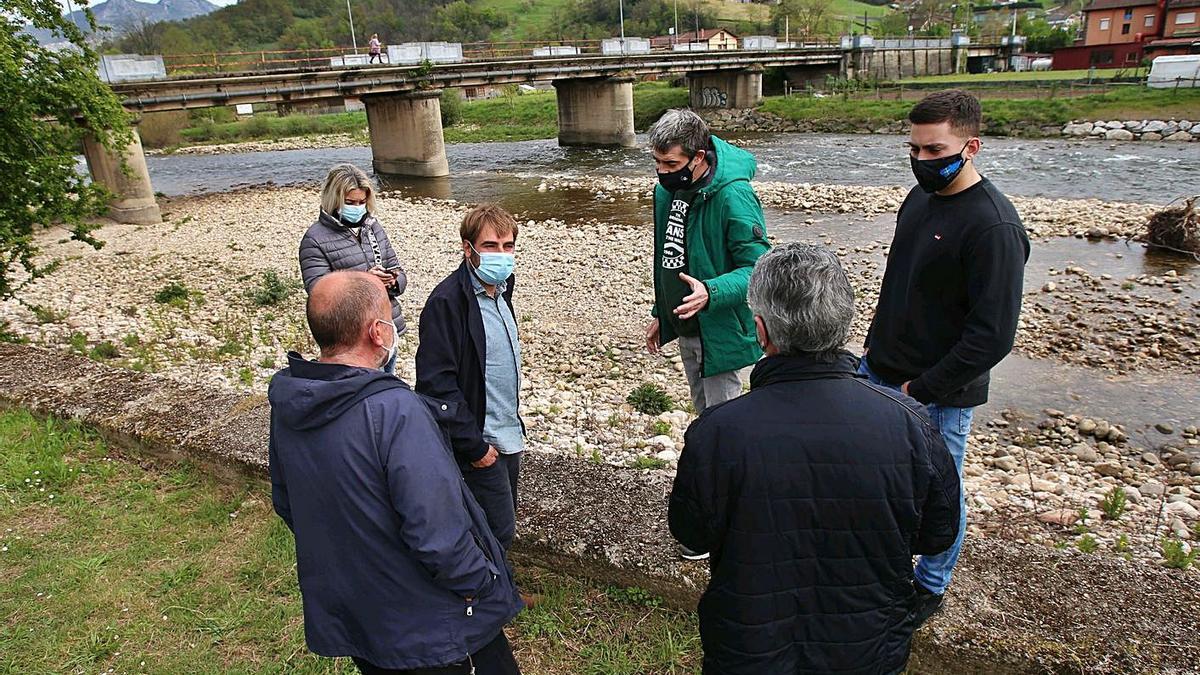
(812,492)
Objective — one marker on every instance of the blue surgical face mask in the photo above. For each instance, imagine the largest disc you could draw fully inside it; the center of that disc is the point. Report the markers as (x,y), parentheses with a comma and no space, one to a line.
(352,213)
(494,268)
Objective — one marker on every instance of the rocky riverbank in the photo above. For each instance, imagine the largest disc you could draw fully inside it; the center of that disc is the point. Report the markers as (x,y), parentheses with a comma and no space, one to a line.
(1081,218)
(318,142)
(1131,130)
(188,299)
(1135,130)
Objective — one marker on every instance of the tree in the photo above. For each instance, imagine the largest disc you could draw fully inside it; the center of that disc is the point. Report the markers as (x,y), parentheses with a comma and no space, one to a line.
(307,34)
(803,17)
(51,100)
(1042,37)
(461,22)
(145,36)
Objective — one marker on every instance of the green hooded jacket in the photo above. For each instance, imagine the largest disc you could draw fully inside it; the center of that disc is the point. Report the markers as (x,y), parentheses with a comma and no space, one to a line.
(725,236)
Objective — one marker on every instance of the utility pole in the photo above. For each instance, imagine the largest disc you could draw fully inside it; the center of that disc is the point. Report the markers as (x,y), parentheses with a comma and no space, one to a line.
(676,37)
(622,10)
(353,40)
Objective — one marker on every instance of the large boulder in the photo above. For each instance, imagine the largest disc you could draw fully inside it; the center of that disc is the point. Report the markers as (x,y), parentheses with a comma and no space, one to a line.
(1179,136)
(1119,135)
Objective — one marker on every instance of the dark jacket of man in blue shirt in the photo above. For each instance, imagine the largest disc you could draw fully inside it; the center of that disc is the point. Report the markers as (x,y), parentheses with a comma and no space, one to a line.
(396,563)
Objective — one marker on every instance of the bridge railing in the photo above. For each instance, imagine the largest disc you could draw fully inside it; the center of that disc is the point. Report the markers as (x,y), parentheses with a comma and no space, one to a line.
(290,59)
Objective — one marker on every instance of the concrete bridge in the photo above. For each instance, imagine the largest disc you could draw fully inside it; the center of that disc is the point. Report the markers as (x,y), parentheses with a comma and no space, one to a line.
(594,95)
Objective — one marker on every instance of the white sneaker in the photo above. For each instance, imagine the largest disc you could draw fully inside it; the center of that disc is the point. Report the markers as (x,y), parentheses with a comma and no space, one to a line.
(688,554)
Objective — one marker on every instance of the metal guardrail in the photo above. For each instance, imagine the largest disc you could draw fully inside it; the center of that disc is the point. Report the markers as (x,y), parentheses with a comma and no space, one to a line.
(283,59)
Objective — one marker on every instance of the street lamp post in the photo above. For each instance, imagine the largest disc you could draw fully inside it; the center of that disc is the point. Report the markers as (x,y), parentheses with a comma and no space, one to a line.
(353,39)
(676,22)
(622,11)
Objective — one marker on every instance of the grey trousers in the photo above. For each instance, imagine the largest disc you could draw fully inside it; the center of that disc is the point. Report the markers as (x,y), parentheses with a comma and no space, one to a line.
(706,391)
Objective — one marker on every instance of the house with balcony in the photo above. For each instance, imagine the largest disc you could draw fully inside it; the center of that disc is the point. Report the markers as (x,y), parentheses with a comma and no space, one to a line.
(1125,33)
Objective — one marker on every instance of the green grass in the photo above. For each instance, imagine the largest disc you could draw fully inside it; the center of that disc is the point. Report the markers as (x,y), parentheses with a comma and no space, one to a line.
(511,117)
(1024,76)
(1131,102)
(108,562)
(267,127)
(527,19)
(852,9)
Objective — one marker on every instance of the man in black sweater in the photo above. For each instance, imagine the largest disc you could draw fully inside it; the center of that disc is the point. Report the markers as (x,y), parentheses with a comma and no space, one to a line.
(951,293)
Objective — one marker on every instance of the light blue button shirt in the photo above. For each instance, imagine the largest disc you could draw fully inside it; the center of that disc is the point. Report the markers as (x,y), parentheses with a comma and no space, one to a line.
(501,423)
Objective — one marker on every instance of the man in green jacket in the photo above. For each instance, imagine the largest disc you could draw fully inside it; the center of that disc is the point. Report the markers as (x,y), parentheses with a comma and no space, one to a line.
(708,233)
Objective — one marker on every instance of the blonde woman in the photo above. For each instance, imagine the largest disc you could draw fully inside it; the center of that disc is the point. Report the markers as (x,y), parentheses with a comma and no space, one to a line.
(347,236)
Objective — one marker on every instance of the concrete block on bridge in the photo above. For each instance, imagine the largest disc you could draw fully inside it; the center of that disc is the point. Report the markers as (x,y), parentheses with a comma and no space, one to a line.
(406,133)
(595,112)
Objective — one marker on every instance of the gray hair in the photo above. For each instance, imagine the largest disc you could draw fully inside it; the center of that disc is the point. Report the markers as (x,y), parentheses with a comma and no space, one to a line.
(343,178)
(680,127)
(804,297)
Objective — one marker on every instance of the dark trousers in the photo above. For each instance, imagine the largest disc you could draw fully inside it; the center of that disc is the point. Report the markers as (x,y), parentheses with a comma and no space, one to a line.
(495,488)
(496,658)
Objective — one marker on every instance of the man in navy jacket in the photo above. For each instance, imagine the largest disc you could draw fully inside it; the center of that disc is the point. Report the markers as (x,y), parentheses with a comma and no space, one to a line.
(470,354)
(811,514)
(398,568)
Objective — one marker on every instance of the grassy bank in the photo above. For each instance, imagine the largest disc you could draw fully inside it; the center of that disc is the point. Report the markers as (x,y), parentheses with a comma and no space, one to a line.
(510,117)
(1027,76)
(1125,103)
(108,562)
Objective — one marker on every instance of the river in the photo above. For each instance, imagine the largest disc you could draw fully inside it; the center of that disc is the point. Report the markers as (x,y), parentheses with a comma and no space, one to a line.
(510,172)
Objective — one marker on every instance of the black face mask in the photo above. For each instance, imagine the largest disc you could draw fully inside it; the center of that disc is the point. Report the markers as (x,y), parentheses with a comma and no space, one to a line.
(674,181)
(934,175)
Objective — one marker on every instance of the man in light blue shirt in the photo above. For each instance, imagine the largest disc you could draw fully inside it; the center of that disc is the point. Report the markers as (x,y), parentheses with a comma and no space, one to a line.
(470,355)
(502,427)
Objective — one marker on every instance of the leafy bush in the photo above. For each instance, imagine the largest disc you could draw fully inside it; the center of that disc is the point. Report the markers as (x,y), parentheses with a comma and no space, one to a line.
(273,290)
(174,293)
(451,107)
(1175,556)
(649,398)
(8,336)
(47,314)
(1114,503)
(1087,543)
(643,462)
(104,351)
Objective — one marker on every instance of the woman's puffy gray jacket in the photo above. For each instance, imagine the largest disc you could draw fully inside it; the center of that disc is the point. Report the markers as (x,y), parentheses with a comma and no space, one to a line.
(329,245)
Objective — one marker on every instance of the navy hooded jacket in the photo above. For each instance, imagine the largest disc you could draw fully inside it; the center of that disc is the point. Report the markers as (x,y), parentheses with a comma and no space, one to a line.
(812,492)
(396,563)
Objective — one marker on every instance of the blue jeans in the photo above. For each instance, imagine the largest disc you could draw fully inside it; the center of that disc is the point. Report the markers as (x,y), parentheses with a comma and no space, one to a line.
(934,571)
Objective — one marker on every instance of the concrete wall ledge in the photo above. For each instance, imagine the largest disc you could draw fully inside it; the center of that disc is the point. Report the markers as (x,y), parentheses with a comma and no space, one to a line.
(1014,607)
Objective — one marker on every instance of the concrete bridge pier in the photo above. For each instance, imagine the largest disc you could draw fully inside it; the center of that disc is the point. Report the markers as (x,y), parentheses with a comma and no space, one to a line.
(595,112)
(406,133)
(726,88)
(124,173)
